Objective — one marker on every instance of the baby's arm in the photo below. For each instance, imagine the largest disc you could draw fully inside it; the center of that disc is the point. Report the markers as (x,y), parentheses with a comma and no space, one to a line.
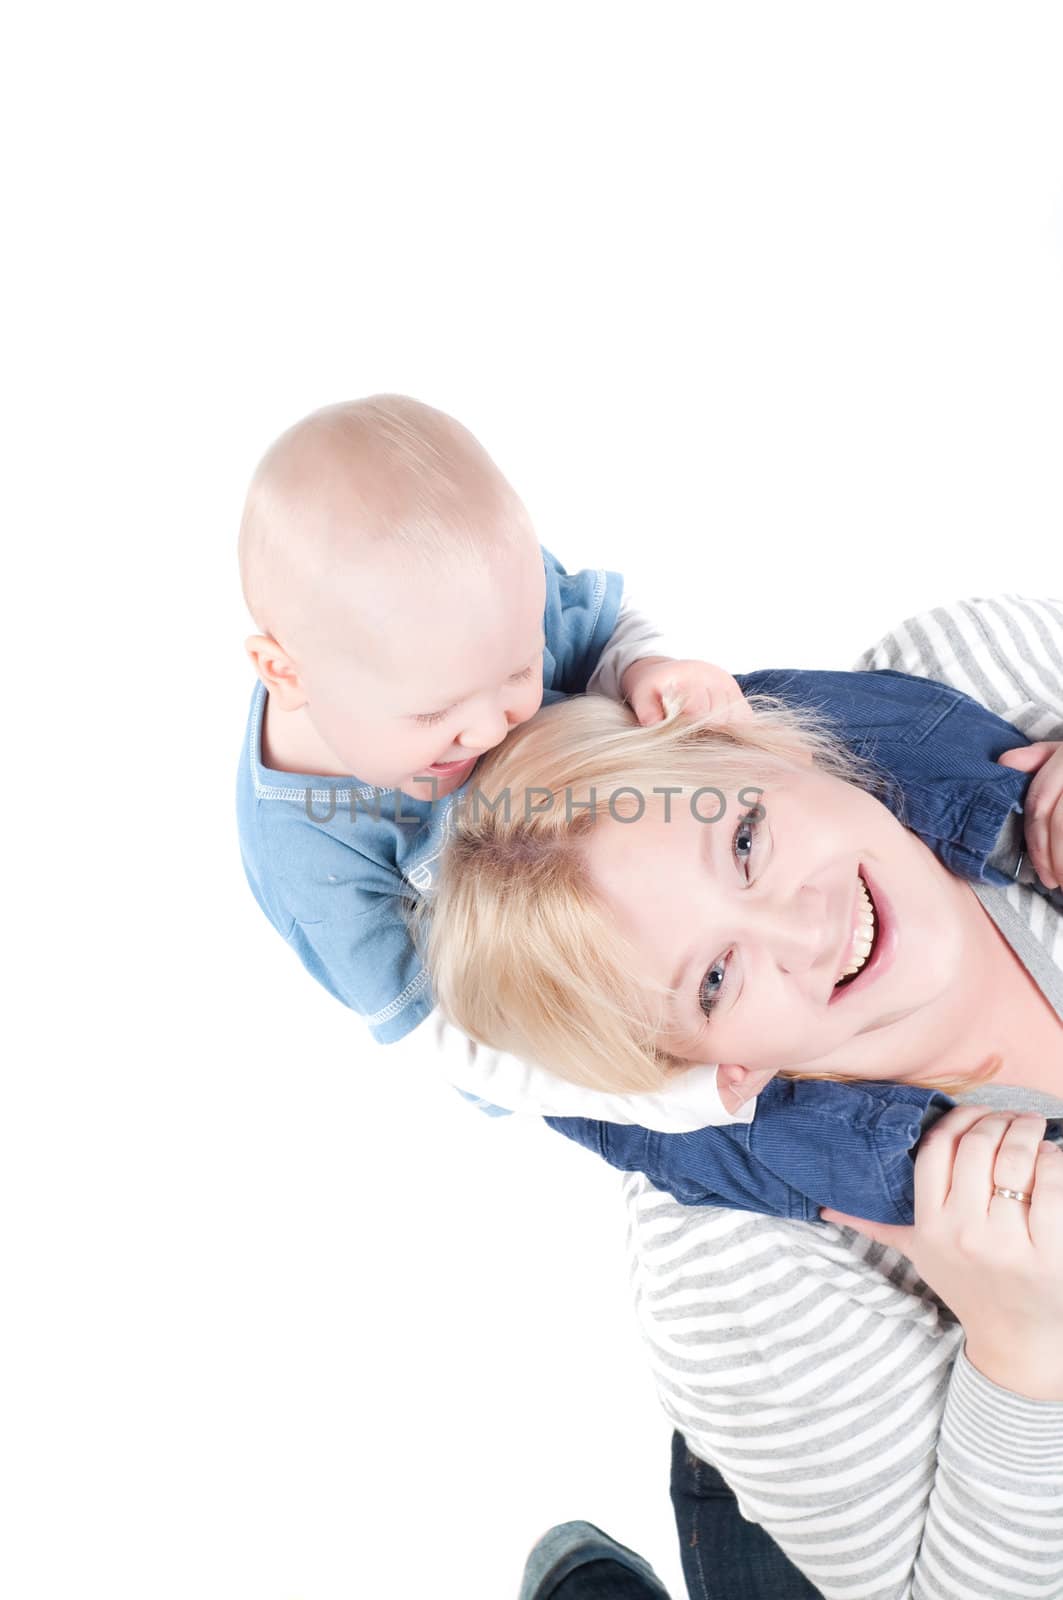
(808,1138)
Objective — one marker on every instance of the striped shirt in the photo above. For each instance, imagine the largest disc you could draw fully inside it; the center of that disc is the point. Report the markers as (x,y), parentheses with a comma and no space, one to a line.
(813,1367)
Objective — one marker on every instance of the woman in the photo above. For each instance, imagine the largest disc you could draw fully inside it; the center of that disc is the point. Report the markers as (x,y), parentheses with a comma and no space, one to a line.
(819,1372)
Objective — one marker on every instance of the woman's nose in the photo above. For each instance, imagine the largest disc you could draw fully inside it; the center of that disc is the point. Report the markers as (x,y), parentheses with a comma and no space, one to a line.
(802,935)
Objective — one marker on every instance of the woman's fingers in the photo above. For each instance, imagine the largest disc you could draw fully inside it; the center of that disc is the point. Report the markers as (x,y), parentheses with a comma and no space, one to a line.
(1029,757)
(1055,847)
(975,1162)
(1043,807)
(1043,822)
(1015,1168)
(936,1158)
(974,1165)
(1046,1204)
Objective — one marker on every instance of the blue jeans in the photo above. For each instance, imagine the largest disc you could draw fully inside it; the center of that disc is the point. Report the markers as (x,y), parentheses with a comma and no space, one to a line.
(724,1556)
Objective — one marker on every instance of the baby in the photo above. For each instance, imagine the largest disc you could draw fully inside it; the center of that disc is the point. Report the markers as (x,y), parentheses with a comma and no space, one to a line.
(407,621)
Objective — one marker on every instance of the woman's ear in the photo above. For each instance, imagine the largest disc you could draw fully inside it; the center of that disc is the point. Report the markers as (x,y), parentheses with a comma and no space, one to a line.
(737,1085)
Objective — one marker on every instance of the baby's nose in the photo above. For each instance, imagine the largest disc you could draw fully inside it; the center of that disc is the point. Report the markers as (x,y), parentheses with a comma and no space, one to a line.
(485,730)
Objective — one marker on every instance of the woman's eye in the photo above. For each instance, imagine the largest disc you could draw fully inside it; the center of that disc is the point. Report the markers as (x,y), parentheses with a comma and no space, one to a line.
(745,838)
(711,985)
(742,845)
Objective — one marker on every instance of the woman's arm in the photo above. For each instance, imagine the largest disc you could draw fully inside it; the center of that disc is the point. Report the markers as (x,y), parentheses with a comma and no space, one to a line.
(823,1378)
(992,1253)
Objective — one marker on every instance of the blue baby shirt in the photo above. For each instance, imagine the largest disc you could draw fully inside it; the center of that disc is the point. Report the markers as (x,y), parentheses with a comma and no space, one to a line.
(333,862)
(816,1143)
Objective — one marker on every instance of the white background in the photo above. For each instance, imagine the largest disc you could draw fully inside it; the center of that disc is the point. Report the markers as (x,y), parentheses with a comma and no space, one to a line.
(759,304)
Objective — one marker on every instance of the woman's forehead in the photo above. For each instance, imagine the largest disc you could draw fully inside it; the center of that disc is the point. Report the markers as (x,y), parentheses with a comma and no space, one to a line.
(679,824)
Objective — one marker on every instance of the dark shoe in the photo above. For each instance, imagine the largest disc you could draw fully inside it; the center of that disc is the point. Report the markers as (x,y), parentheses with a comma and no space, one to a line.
(572,1545)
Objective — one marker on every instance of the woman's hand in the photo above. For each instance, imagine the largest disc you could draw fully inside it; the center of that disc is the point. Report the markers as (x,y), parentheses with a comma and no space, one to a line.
(996,1262)
(1042,810)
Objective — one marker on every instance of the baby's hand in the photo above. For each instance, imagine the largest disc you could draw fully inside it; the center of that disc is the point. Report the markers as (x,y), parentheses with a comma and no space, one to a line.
(1043,808)
(705,690)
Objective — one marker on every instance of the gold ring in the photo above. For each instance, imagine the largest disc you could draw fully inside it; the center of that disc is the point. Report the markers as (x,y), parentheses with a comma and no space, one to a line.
(1012,1194)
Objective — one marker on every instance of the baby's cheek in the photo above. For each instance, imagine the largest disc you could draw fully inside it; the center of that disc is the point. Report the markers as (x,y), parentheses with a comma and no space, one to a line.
(531,702)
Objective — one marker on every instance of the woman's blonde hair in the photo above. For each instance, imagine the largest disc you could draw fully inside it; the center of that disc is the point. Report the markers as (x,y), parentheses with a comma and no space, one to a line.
(522,950)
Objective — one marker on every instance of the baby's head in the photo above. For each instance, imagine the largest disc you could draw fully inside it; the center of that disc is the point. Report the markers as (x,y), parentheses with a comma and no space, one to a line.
(398,589)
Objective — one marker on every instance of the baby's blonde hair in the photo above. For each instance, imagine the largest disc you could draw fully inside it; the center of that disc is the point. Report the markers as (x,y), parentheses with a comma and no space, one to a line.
(521,948)
(387,472)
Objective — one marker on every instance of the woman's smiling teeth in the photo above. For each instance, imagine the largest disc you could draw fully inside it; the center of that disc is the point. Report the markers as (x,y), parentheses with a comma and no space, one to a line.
(863,933)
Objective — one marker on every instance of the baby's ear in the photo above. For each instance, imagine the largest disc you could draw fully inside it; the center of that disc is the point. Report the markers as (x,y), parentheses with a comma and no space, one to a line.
(739,1084)
(277,670)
